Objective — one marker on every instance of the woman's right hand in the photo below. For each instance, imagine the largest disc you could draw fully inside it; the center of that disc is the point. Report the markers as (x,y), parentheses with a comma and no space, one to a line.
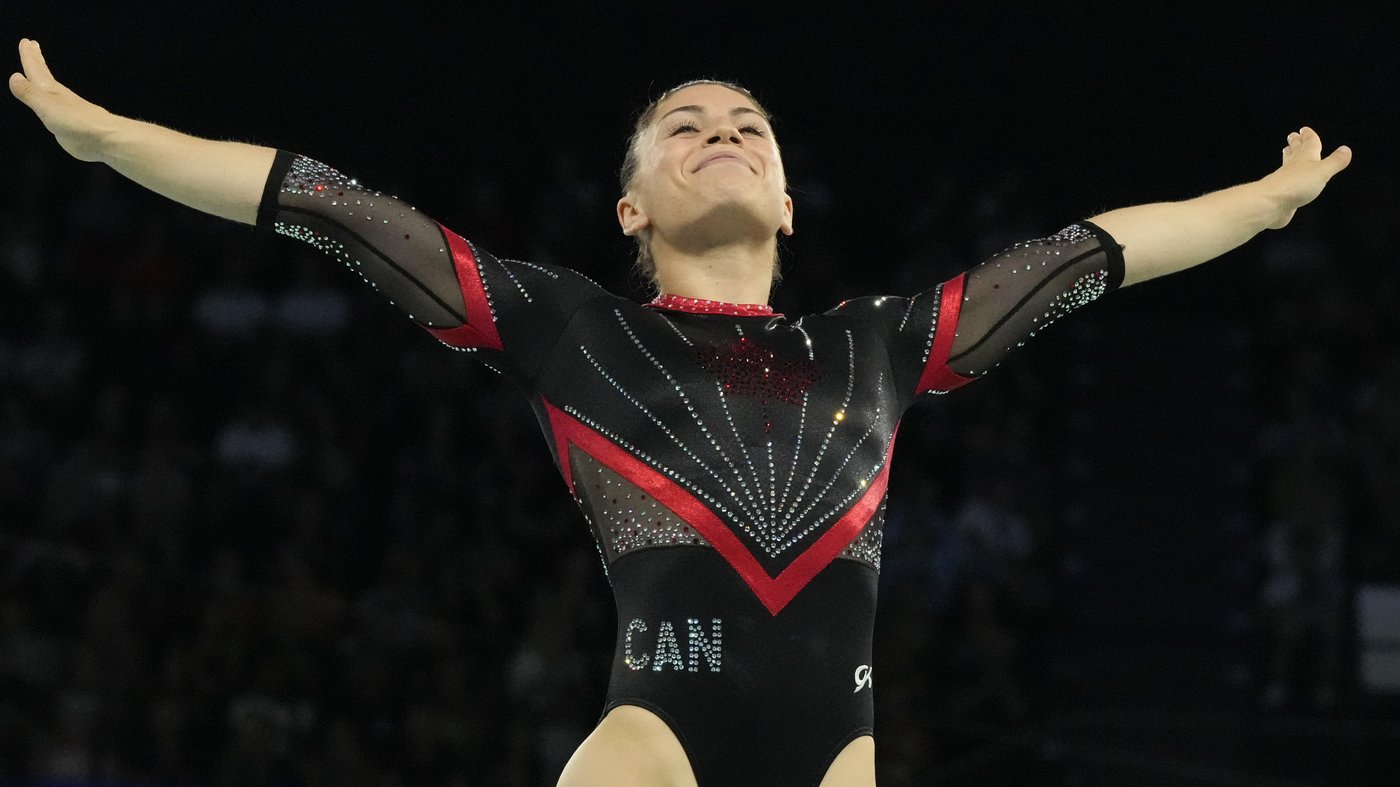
(77,124)
(223,178)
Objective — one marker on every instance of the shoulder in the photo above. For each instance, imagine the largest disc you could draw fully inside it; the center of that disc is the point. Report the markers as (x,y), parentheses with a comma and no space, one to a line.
(868,307)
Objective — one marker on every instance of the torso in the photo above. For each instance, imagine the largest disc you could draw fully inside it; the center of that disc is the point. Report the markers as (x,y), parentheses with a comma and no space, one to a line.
(733,472)
(732,466)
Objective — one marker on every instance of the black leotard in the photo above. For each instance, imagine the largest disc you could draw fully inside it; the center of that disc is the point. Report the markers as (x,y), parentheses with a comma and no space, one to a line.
(731,462)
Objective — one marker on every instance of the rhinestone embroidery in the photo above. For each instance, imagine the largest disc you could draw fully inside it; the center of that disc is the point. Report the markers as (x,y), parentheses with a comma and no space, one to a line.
(937,297)
(626,518)
(638,662)
(703,306)
(1084,289)
(744,375)
(866,546)
(668,651)
(699,646)
(747,369)
(772,521)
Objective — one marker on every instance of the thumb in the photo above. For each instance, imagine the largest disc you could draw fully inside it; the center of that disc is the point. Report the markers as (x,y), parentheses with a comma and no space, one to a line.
(1339,159)
(19,86)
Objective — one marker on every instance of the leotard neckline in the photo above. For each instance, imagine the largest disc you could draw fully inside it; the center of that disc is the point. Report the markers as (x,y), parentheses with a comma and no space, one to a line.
(704,306)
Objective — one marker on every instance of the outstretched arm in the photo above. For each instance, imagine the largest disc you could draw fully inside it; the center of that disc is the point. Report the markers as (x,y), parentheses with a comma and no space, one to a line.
(1166,237)
(976,318)
(222,178)
(512,312)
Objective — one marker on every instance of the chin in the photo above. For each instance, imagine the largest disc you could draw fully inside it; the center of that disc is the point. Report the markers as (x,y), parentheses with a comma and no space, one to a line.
(727,221)
(741,213)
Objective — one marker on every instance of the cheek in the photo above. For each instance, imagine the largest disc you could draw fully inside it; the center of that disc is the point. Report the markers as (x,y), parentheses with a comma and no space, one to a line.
(656,167)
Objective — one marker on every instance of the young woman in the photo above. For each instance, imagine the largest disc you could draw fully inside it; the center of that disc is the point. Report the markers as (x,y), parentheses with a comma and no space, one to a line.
(730,461)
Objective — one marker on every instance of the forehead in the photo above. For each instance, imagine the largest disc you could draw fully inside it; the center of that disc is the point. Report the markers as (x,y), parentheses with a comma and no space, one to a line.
(713,98)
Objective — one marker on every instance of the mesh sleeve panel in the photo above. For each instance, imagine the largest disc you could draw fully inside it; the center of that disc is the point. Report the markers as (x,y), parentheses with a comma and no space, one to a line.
(951,334)
(392,246)
(1019,292)
(508,310)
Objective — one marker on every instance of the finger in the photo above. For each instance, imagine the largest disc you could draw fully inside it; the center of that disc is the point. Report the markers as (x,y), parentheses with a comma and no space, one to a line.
(32,59)
(1310,141)
(19,86)
(1340,158)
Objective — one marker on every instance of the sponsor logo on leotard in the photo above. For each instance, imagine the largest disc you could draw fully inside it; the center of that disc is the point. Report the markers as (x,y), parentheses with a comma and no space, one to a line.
(862,678)
(667,653)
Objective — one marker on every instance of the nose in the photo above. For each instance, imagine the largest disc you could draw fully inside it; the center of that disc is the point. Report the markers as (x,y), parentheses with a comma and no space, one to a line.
(725,132)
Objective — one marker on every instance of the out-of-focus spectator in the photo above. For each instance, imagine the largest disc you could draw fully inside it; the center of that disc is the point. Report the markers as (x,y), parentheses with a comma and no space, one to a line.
(1304,588)
(1378,454)
(27,456)
(52,364)
(311,307)
(88,491)
(233,308)
(256,441)
(163,485)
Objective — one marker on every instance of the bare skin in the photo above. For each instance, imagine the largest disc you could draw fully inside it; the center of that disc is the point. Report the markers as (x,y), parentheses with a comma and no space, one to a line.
(632,747)
(710,197)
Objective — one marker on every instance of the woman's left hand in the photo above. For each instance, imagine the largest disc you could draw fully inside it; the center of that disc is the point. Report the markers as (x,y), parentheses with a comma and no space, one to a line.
(1304,173)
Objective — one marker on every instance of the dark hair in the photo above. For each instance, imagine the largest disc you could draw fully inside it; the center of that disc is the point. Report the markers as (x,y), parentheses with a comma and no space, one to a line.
(645,265)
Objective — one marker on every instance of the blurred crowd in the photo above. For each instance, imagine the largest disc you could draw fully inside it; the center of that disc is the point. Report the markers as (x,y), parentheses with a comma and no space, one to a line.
(256,528)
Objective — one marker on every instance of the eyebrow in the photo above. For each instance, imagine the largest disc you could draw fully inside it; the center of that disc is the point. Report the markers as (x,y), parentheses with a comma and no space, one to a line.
(700,110)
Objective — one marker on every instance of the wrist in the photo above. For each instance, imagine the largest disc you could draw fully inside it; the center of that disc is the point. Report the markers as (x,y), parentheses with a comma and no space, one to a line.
(1253,206)
(1274,201)
(109,134)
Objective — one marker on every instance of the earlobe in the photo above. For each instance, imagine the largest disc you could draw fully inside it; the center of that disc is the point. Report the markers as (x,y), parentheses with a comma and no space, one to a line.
(786,226)
(631,217)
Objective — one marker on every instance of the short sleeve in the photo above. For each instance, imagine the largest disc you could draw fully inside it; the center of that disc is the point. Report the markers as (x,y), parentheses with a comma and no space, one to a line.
(953,333)
(510,312)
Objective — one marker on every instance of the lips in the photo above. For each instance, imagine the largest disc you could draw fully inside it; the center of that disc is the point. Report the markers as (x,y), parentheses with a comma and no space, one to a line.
(716,157)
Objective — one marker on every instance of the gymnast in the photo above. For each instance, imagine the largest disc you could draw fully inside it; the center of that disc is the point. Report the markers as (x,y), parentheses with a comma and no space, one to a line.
(730,461)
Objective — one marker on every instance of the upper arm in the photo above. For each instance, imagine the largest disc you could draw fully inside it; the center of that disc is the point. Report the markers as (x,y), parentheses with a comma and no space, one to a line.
(1017,293)
(463,295)
(953,333)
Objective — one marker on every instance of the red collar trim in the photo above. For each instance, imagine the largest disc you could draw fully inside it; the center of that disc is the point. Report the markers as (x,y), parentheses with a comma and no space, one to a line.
(703,306)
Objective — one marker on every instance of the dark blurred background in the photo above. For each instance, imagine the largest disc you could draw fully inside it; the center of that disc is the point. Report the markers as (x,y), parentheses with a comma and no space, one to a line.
(256,528)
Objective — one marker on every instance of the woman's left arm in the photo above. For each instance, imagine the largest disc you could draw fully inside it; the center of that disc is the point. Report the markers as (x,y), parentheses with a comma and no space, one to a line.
(1166,237)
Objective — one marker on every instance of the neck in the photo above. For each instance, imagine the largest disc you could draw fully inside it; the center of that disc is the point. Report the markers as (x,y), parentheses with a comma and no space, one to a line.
(736,273)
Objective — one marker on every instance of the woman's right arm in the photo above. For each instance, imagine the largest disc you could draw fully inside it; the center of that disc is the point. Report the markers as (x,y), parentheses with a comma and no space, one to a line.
(222,178)
(510,311)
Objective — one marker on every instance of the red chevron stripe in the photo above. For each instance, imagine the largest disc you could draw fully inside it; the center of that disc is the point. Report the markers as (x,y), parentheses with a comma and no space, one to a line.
(773,592)
(480,327)
(936,375)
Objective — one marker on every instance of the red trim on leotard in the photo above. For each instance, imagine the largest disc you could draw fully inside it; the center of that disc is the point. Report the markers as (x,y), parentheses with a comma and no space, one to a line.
(704,306)
(937,376)
(480,328)
(773,592)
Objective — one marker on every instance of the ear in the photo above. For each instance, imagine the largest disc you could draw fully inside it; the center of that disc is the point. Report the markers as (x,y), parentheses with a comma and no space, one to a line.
(631,216)
(786,226)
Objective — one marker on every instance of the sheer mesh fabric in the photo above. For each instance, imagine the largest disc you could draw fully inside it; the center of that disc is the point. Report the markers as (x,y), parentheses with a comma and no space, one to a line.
(397,250)
(1014,295)
(405,255)
(509,313)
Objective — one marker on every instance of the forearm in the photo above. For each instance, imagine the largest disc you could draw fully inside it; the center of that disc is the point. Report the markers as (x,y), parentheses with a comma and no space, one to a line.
(222,178)
(1166,237)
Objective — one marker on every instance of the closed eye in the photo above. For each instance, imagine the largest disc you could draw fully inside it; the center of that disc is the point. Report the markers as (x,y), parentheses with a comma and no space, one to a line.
(752,130)
(683,127)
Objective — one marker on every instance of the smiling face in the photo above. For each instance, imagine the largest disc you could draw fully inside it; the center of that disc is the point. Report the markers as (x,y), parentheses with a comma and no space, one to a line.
(704,170)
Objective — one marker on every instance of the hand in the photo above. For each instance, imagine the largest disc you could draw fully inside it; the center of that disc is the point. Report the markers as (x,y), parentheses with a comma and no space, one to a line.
(76,123)
(1304,173)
